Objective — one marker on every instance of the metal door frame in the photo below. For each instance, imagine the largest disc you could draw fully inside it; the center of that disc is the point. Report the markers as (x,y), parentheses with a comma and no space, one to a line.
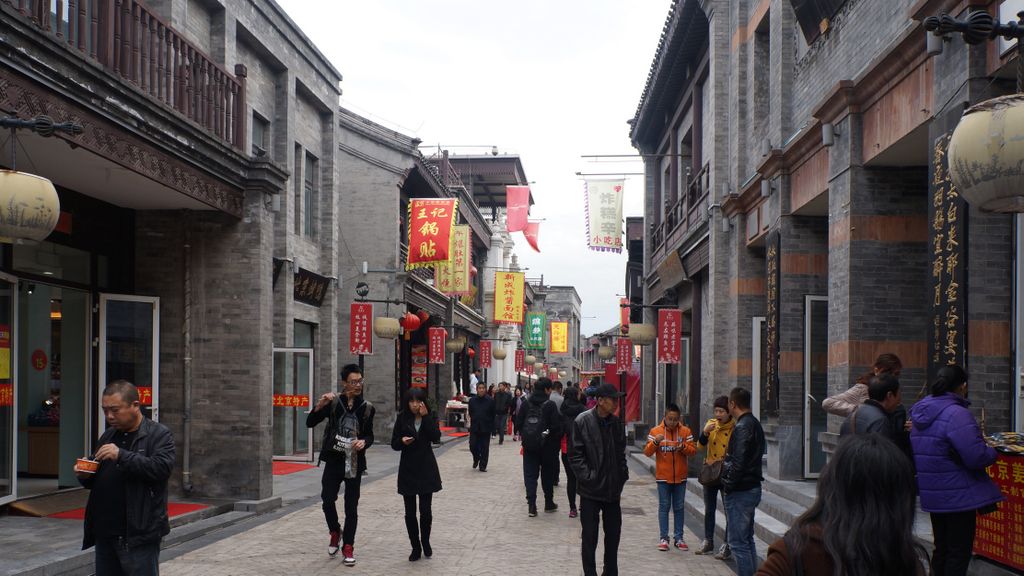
(14,388)
(309,431)
(808,300)
(102,352)
(756,355)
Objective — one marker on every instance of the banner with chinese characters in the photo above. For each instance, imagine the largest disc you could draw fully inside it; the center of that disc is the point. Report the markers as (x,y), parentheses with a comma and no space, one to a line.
(360,336)
(517,207)
(623,354)
(560,337)
(430,231)
(670,341)
(535,339)
(1000,535)
(6,395)
(436,337)
(772,315)
(452,278)
(145,395)
(418,372)
(624,310)
(485,354)
(5,351)
(291,400)
(529,369)
(508,297)
(947,254)
(520,360)
(310,287)
(604,215)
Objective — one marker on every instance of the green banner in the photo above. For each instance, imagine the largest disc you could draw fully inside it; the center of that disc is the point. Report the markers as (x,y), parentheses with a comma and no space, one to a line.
(535,337)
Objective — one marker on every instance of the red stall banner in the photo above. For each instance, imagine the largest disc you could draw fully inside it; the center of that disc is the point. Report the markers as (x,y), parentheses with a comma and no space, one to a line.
(623,354)
(624,313)
(529,369)
(1000,535)
(436,337)
(670,341)
(360,337)
(485,354)
(520,360)
(430,231)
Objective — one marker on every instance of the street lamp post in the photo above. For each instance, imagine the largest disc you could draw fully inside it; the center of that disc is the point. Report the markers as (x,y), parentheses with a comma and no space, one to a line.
(980,26)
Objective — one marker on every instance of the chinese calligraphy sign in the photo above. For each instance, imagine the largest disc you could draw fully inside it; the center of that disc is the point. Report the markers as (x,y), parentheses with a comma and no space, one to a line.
(431,222)
(535,331)
(508,297)
(452,278)
(560,337)
(436,337)
(772,318)
(360,336)
(604,215)
(670,340)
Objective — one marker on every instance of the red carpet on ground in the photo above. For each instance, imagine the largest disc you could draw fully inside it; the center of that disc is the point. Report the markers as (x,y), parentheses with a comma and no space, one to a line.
(282,468)
(447,428)
(173,509)
(457,434)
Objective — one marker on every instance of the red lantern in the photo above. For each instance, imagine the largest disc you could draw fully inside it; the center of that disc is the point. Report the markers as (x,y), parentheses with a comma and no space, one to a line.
(423,315)
(471,352)
(472,270)
(410,322)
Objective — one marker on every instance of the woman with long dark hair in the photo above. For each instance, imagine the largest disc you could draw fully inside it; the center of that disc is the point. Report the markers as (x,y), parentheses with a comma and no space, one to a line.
(862,522)
(951,457)
(415,431)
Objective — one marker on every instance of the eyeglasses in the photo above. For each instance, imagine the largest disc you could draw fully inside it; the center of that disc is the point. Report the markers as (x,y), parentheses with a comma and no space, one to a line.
(355,382)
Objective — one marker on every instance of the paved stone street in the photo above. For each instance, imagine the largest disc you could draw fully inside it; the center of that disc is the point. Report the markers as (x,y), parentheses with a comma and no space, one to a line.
(480,528)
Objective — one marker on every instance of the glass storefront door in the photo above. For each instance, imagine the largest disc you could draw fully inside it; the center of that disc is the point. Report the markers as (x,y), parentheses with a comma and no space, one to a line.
(129,342)
(815,382)
(8,405)
(292,399)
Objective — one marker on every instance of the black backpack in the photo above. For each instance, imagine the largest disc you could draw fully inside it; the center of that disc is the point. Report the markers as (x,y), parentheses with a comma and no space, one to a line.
(533,428)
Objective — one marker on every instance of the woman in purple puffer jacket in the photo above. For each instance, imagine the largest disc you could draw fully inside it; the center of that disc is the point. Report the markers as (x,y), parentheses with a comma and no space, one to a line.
(951,457)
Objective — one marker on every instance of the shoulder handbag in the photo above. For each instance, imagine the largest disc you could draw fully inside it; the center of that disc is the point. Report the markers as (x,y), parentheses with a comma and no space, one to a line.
(711,474)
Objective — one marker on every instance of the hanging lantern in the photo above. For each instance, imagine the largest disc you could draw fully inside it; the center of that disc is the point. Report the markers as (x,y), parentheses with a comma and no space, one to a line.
(530,359)
(643,334)
(538,367)
(29,206)
(553,371)
(499,353)
(423,315)
(605,352)
(385,327)
(471,352)
(410,322)
(455,344)
(986,155)
(562,373)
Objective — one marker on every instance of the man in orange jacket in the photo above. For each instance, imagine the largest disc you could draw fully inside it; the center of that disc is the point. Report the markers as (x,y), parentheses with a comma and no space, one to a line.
(670,444)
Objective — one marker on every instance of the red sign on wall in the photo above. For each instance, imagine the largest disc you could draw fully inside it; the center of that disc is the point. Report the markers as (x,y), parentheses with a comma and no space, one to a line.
(670,340)
(39,359)
(6,395)
(291,400)
(520,360)
(145,395)
(623,354)
(485,353)
(436,337)
(1000,535)
(360,339)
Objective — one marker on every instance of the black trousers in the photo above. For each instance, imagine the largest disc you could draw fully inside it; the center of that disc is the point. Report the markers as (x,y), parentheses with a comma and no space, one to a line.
(590,511)
(333,478)
(570,482)
(113,558)
(418,532)
(542,464)
(480,447)
(954,541)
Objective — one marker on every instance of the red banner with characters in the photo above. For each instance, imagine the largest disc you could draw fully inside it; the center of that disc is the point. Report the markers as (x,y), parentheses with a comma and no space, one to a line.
(436,337)
(623,354)
(291,400)
(528,369)
(6,395)
(145,395)
(670,340)
(360,338)
(485,354)
(430,231)
(1000,535)
(520,360)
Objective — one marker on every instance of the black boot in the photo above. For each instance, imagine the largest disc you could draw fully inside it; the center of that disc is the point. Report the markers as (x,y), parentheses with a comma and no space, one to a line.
(414,538)
(425,522)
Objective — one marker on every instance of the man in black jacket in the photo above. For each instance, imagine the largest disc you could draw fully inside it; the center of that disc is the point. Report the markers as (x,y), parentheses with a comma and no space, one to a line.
(126,515)
(882,413)
(349,433)
(502,406)
(741,481)
(481,425)
(598,458)
(541,460)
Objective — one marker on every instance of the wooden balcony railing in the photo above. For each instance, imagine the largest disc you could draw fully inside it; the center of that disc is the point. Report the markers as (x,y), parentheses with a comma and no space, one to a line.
(126,38)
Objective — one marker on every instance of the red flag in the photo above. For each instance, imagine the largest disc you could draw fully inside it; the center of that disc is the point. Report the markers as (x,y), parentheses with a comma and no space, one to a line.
(531,231)
(517,207)
(485,354)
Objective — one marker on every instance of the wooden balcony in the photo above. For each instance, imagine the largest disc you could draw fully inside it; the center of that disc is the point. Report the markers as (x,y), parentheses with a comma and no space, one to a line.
(681,217)
(129,40)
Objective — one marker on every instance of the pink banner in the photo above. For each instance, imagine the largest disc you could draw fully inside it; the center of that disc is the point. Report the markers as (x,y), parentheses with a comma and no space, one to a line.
(360,338)
(623,354)
(670,340)
(517,207)
(485,354)
(532,232)
(436,338)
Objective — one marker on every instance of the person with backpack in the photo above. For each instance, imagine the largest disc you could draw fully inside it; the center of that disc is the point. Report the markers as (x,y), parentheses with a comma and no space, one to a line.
(349,432)
(540,427)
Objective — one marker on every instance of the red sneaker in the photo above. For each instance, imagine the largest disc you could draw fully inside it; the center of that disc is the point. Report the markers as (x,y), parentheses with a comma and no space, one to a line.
(663,545)
(682,546)
(332,548)
(348,555)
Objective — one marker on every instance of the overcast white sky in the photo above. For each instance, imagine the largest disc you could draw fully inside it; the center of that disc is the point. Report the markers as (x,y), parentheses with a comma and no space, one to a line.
(547,80)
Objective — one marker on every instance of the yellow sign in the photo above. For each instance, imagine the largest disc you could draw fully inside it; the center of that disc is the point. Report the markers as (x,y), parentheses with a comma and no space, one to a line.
(559,337)
(508,297)
(452,278)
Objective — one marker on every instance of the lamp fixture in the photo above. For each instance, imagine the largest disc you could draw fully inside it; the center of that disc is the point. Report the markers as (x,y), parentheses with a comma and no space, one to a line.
(828,134)
(766,188)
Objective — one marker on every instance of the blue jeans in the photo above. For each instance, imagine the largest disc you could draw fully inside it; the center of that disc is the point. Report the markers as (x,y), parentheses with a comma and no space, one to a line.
(671,495)
(739,513)
(114,559)
(710,506)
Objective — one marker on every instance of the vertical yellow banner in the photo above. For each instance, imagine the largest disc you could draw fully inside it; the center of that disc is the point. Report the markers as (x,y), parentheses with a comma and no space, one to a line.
(559,337)
(508,297)
(452,277)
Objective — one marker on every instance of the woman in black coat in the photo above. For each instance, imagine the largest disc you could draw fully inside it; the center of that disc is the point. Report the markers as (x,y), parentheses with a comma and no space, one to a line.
(572,407)
(415,431)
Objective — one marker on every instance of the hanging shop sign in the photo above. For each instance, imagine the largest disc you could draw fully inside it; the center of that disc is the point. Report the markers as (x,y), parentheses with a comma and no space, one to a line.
(772,255)
(559,337)
(623,355)
(360,337)
(310,287)
(604,215)
(535,331)
(517,207)
(29,206)
(291,401)
(1000,535)
(485,354)
(947,285)
(430,231)
(6,395)
(436,337)
(520,360)
(670,341)
(508,297)
(452,278)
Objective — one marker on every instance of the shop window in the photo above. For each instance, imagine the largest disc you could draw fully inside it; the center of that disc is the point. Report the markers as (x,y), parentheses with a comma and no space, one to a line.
(260,135)
(310,191)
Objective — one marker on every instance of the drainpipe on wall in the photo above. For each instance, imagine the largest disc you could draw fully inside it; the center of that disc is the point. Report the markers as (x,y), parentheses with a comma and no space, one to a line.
(186,329)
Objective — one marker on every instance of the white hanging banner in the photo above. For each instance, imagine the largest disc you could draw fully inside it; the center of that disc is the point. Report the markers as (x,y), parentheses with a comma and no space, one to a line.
(604,215)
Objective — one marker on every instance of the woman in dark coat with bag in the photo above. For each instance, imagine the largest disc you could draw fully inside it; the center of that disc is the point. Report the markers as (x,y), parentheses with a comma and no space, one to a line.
(416,431)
